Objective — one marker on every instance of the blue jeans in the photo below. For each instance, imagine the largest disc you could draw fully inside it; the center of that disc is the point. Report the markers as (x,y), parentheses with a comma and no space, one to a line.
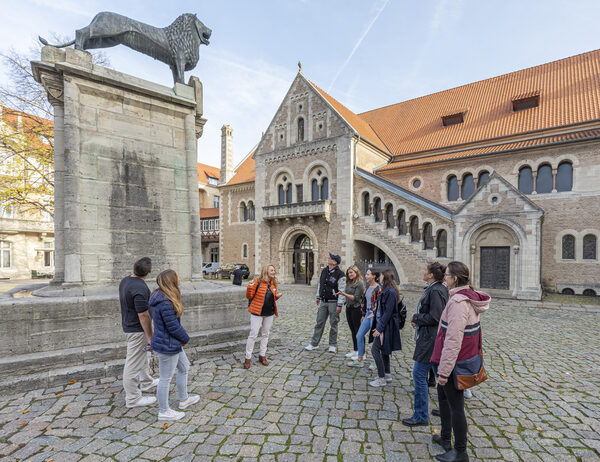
(365,327)
(420,373)
(166,368)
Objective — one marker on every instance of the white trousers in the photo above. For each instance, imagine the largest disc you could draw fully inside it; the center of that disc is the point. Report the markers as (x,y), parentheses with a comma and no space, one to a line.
(262,323)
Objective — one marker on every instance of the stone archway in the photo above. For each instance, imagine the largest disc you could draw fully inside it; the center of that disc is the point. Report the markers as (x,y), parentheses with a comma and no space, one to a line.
(286,251)
(495,258)
(389,253)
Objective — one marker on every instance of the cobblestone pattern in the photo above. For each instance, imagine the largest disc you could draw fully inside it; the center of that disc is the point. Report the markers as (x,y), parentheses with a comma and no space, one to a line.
(541,402)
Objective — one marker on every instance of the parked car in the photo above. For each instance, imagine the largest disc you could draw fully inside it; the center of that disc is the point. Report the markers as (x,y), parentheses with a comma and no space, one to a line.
(226,270)
(210,267)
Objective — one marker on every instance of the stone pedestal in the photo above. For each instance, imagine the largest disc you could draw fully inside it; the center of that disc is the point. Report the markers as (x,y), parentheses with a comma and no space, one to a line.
(126,172)
(126,186)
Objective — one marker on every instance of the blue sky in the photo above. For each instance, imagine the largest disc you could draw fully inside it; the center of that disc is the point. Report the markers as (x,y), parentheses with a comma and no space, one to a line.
(366,53)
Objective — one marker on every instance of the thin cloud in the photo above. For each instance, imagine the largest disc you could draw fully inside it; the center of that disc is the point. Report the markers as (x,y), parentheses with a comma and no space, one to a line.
(362,37)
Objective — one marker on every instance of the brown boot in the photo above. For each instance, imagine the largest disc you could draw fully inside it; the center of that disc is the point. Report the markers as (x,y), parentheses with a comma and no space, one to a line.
(263,360)
(247,364)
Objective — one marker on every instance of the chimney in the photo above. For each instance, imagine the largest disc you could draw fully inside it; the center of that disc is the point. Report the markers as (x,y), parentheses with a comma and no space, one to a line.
(226,153)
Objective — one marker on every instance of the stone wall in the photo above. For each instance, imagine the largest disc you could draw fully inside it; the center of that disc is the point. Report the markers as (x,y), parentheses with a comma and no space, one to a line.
(564,212)
(234,231)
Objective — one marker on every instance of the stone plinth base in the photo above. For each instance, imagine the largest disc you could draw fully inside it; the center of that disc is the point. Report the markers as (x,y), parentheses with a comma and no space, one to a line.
(44,340)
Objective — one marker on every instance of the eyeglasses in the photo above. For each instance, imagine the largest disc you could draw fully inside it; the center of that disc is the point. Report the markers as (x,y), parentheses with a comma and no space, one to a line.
(446,275)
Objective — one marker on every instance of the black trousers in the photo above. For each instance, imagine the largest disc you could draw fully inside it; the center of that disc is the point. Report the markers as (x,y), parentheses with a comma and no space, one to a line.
(381,360)
(452,413)
(354,317)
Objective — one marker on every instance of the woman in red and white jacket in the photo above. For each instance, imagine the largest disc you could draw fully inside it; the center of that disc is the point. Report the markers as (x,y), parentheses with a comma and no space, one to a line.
(458,338)
(263,295)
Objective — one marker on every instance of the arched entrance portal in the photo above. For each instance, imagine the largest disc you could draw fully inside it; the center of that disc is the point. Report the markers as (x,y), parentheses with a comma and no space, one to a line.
(370,256)
(303,261)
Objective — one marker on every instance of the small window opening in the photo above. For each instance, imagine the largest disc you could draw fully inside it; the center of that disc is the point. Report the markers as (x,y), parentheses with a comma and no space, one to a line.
(453,119)
(528,102)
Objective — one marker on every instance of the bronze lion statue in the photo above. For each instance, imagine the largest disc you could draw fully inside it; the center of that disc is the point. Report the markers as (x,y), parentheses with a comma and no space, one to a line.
(177,45)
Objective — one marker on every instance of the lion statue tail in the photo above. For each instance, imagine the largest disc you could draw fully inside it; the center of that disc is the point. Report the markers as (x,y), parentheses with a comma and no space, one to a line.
(45,42)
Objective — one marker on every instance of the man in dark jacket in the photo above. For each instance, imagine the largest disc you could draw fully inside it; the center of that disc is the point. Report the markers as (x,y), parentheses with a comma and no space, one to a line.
(329,303)
(426,321)
(137,325)
(237,275)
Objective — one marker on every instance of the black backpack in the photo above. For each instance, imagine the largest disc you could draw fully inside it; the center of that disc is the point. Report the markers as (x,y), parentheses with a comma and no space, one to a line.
(402,313)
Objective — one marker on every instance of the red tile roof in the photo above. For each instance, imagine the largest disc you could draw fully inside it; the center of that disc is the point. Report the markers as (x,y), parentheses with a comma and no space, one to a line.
(209,213)
(569,92)
(532,143)
(361,126)
(205,171)
(245,171)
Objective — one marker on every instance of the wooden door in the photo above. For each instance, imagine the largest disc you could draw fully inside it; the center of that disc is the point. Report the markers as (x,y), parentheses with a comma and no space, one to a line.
(494,268)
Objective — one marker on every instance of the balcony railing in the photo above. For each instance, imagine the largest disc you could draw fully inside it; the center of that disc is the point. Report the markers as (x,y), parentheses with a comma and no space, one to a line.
(300,209)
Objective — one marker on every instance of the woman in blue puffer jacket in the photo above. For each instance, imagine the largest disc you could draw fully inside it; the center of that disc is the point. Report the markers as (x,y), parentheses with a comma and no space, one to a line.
(167,342)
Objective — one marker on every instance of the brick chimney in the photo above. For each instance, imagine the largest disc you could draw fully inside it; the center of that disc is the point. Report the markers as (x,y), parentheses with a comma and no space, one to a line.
(226,153)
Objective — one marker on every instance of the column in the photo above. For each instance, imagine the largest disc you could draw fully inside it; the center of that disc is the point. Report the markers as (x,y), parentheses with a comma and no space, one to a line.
(194,201)
(72,211)
(59,192)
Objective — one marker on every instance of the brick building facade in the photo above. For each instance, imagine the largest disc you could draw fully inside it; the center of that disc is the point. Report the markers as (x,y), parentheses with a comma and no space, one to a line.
(499,174)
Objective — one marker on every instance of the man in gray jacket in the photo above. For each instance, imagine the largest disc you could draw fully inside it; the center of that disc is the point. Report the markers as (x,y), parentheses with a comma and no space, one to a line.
(329,302)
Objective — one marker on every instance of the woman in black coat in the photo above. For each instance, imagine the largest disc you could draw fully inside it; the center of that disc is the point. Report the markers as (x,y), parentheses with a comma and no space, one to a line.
(387,328)
(426,321)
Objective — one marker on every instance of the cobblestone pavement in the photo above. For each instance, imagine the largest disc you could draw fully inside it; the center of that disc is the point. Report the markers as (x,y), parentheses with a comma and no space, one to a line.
(541,402)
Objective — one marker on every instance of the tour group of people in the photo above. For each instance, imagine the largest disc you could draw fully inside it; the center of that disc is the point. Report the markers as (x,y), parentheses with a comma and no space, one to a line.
(446,326)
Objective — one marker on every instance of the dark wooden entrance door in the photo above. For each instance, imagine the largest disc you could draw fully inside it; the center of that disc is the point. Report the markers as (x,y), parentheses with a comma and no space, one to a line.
(495,268)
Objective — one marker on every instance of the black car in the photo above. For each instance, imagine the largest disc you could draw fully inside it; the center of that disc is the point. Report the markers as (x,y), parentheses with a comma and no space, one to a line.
(226,270)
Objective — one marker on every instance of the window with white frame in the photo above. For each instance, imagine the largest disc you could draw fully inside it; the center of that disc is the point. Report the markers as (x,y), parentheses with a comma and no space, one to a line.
(213,181)
(5,254)
(216,201)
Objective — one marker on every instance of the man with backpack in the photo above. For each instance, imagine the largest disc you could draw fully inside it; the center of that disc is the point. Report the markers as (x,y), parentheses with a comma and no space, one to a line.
(331,281)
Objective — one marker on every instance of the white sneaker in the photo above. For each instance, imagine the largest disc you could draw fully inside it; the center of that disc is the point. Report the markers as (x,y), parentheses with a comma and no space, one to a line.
(310,347)
(468,394)
(388,377)
(352,354)
(151,386)
(192,399)
(143,401)
(331,349)
(378,382)
(356,363)
(372,366)
(170,414)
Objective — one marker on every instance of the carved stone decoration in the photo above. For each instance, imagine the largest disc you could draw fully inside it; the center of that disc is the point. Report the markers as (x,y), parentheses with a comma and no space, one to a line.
(199,126)
(177,45)
(53,84)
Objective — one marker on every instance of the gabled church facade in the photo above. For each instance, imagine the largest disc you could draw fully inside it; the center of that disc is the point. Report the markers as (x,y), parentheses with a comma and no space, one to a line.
(500,174)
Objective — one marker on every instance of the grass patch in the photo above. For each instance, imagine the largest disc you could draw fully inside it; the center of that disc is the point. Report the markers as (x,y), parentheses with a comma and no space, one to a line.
(571,299)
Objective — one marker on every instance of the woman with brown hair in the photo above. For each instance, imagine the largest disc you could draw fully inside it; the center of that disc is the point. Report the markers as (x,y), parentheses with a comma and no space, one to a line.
(458,338)
(263,295)
(387,328)
(167,342)
(354,290)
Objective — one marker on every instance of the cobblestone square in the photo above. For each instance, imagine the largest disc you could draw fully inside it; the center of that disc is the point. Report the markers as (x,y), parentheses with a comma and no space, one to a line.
(541,402)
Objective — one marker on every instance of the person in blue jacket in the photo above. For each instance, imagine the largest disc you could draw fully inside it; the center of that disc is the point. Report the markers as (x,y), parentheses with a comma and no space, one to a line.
(167,342)
(386,335)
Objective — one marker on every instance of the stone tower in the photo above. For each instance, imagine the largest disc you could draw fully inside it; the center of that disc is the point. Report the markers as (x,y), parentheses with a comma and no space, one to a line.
(226,153)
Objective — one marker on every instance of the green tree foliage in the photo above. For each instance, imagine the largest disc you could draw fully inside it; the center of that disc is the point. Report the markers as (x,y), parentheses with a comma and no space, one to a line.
(26,136)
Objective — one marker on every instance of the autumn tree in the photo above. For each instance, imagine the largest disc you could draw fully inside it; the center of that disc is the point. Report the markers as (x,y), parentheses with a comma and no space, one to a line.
(26,136)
